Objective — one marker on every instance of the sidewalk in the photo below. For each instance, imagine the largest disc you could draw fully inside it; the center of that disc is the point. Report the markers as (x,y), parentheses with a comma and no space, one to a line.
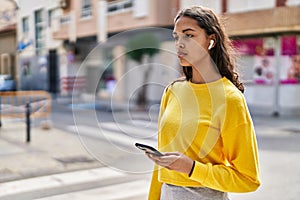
(50,151)
(54,162)
(57,159)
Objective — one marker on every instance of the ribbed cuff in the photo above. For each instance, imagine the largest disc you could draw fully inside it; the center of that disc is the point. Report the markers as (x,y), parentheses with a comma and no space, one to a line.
(200,172)
(191,172)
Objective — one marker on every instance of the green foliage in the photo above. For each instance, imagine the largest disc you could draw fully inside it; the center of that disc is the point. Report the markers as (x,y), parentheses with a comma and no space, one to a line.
(141,45)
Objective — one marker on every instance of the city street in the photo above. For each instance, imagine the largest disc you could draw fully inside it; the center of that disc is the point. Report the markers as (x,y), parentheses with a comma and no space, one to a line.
(119,170)
(278,140)
(81,83)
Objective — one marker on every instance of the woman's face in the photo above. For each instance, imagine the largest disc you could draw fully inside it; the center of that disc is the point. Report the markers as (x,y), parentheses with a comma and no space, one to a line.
(191,41)
(296,63)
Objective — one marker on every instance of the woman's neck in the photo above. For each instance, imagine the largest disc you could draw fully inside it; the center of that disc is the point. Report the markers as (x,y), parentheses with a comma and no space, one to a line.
(205,75)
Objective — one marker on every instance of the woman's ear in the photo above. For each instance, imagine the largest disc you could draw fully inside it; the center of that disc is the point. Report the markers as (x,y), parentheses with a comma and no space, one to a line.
(211,43)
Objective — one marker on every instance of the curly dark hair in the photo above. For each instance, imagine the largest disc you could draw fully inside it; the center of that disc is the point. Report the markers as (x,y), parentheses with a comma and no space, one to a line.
(223,52)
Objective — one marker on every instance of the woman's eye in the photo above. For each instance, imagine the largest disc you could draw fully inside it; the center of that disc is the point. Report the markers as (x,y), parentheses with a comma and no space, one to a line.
(188,35)
(175,38)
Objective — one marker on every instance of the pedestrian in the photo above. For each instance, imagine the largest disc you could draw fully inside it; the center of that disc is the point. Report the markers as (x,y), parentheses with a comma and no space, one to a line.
(205,130)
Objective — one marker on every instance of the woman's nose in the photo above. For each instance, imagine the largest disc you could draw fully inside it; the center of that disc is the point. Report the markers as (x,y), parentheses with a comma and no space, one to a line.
(180,45)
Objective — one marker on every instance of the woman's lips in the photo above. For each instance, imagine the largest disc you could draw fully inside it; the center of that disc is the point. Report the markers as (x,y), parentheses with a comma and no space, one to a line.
(181,54)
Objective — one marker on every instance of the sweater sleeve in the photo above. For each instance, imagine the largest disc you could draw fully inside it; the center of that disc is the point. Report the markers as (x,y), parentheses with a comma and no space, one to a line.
(155,187)
(241,174)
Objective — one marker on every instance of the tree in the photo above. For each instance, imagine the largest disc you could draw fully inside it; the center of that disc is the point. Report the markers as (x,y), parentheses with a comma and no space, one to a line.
(145,44)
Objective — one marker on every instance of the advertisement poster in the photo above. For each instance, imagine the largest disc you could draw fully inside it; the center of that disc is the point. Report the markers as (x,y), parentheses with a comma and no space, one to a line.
(263,60)
(290,69)
(290,60)
(264,70)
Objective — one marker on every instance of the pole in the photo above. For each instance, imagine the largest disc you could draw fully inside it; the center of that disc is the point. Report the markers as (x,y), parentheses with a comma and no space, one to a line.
(28,122)
(276,107)
(0,111)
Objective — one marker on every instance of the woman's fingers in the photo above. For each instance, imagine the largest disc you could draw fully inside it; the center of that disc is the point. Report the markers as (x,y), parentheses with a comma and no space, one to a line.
(173,161)
(166,160)
(172,154)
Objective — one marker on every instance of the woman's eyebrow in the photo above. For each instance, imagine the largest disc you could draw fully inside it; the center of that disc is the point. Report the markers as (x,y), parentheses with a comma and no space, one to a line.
(188,29)
(185,30)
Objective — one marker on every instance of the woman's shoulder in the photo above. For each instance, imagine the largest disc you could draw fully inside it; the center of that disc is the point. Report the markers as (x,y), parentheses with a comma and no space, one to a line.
(176,84)
(233,94)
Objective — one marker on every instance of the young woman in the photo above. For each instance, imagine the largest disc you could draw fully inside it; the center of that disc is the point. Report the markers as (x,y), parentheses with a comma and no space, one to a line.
(205,130)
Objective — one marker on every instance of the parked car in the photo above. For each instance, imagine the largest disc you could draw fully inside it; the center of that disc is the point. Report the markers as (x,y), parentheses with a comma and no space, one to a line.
(7,83)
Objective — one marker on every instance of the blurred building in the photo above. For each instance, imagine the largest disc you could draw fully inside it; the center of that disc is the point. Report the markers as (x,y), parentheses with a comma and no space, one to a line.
(84,43)
(266,35)
(85,24)
(37,50)
(8,44)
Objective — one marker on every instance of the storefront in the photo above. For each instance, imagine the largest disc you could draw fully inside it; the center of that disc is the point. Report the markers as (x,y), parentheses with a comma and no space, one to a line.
(268,42)
(270,68)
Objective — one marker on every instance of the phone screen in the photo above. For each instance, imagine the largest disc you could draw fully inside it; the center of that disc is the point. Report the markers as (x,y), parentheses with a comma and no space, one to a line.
(148,149)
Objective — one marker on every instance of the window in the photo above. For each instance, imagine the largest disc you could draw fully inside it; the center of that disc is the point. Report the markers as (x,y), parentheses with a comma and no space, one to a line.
(86,8)
(53,18)
(50,17)
(25,25)
(235,6)
(39,31)
(119,6)
(65,19)
(141,8)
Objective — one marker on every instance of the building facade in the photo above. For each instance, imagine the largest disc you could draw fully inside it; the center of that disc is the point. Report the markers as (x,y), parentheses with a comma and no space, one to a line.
(37,50)
(8,43)
(88,38)
(266,35)
(95,34)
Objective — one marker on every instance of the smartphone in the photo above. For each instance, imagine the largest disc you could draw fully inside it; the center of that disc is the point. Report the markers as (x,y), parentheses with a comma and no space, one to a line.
(148,149)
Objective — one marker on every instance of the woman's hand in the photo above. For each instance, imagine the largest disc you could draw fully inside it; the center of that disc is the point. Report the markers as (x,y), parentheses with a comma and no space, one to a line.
(173,161)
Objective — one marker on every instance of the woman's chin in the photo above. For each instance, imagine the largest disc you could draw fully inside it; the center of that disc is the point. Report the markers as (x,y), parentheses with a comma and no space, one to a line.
(183,63)
(186,65)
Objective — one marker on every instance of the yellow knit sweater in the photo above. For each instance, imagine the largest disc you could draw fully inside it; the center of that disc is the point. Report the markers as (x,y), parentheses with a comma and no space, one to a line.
(211,124)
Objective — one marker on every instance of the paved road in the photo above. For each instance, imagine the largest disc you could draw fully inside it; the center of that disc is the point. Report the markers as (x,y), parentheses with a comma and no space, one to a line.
(111,142)
(279,150)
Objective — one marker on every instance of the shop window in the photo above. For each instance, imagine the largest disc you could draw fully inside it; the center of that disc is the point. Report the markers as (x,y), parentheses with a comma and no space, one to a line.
(290,60)
(257,60)
(259,64)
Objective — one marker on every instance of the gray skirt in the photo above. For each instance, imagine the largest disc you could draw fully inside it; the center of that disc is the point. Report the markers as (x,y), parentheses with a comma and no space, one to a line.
(172,192)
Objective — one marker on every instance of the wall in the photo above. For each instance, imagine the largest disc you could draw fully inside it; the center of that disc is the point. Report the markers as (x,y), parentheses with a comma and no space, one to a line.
(158,13)
(27,9)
